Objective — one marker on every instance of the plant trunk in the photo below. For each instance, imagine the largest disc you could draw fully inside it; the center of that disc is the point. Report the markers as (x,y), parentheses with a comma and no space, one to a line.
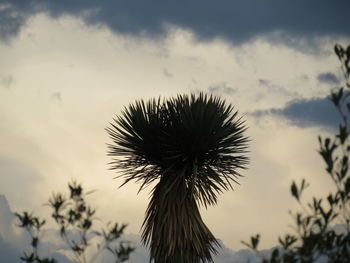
(173,227)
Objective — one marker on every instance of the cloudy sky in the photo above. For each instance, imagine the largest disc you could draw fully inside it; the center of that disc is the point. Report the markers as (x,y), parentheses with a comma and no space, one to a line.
(68,67)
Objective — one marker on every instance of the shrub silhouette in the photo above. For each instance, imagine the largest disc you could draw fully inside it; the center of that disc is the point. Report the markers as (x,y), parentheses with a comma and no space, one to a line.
(316,237)
(74,218)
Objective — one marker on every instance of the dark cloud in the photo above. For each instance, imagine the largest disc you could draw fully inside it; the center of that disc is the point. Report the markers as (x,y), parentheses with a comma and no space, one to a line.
(11,19)
(307,113)
(237,21)
(8,253)
(328,78)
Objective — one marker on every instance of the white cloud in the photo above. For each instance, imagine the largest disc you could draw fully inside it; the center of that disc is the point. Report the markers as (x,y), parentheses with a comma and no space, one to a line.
(14,240)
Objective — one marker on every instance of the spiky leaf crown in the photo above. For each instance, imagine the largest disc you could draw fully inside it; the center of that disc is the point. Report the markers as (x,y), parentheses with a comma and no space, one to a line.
(197,138)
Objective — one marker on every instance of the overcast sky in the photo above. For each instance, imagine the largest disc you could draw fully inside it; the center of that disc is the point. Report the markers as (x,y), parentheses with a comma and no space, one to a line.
(68,67)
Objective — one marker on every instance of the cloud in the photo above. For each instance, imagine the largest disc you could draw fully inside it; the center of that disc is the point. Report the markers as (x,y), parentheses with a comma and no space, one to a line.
(236,21)
(276,89)
(264,82)
(11,19)
(167,73)
(56,96)
(13,172)
(14,241)
(221,88)
(328,78)
(6,81)
(306,113)
(9,241)
(6,219)
(8,253)
(225,255)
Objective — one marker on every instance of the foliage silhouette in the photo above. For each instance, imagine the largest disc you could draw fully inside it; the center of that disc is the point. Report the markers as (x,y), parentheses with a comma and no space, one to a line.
(317,236)
(74,218)
(192,147)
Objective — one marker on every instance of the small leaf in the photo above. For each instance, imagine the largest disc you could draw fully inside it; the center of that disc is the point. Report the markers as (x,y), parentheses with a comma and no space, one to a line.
(294,190)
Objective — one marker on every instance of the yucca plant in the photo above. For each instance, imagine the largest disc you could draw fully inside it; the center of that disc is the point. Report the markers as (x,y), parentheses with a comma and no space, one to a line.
(193,148)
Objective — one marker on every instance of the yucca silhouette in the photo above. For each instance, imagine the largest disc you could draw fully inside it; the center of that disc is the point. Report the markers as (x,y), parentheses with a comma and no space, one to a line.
(193,147)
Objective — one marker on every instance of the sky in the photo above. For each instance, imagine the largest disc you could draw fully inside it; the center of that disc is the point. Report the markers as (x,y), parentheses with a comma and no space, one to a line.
(68,67)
